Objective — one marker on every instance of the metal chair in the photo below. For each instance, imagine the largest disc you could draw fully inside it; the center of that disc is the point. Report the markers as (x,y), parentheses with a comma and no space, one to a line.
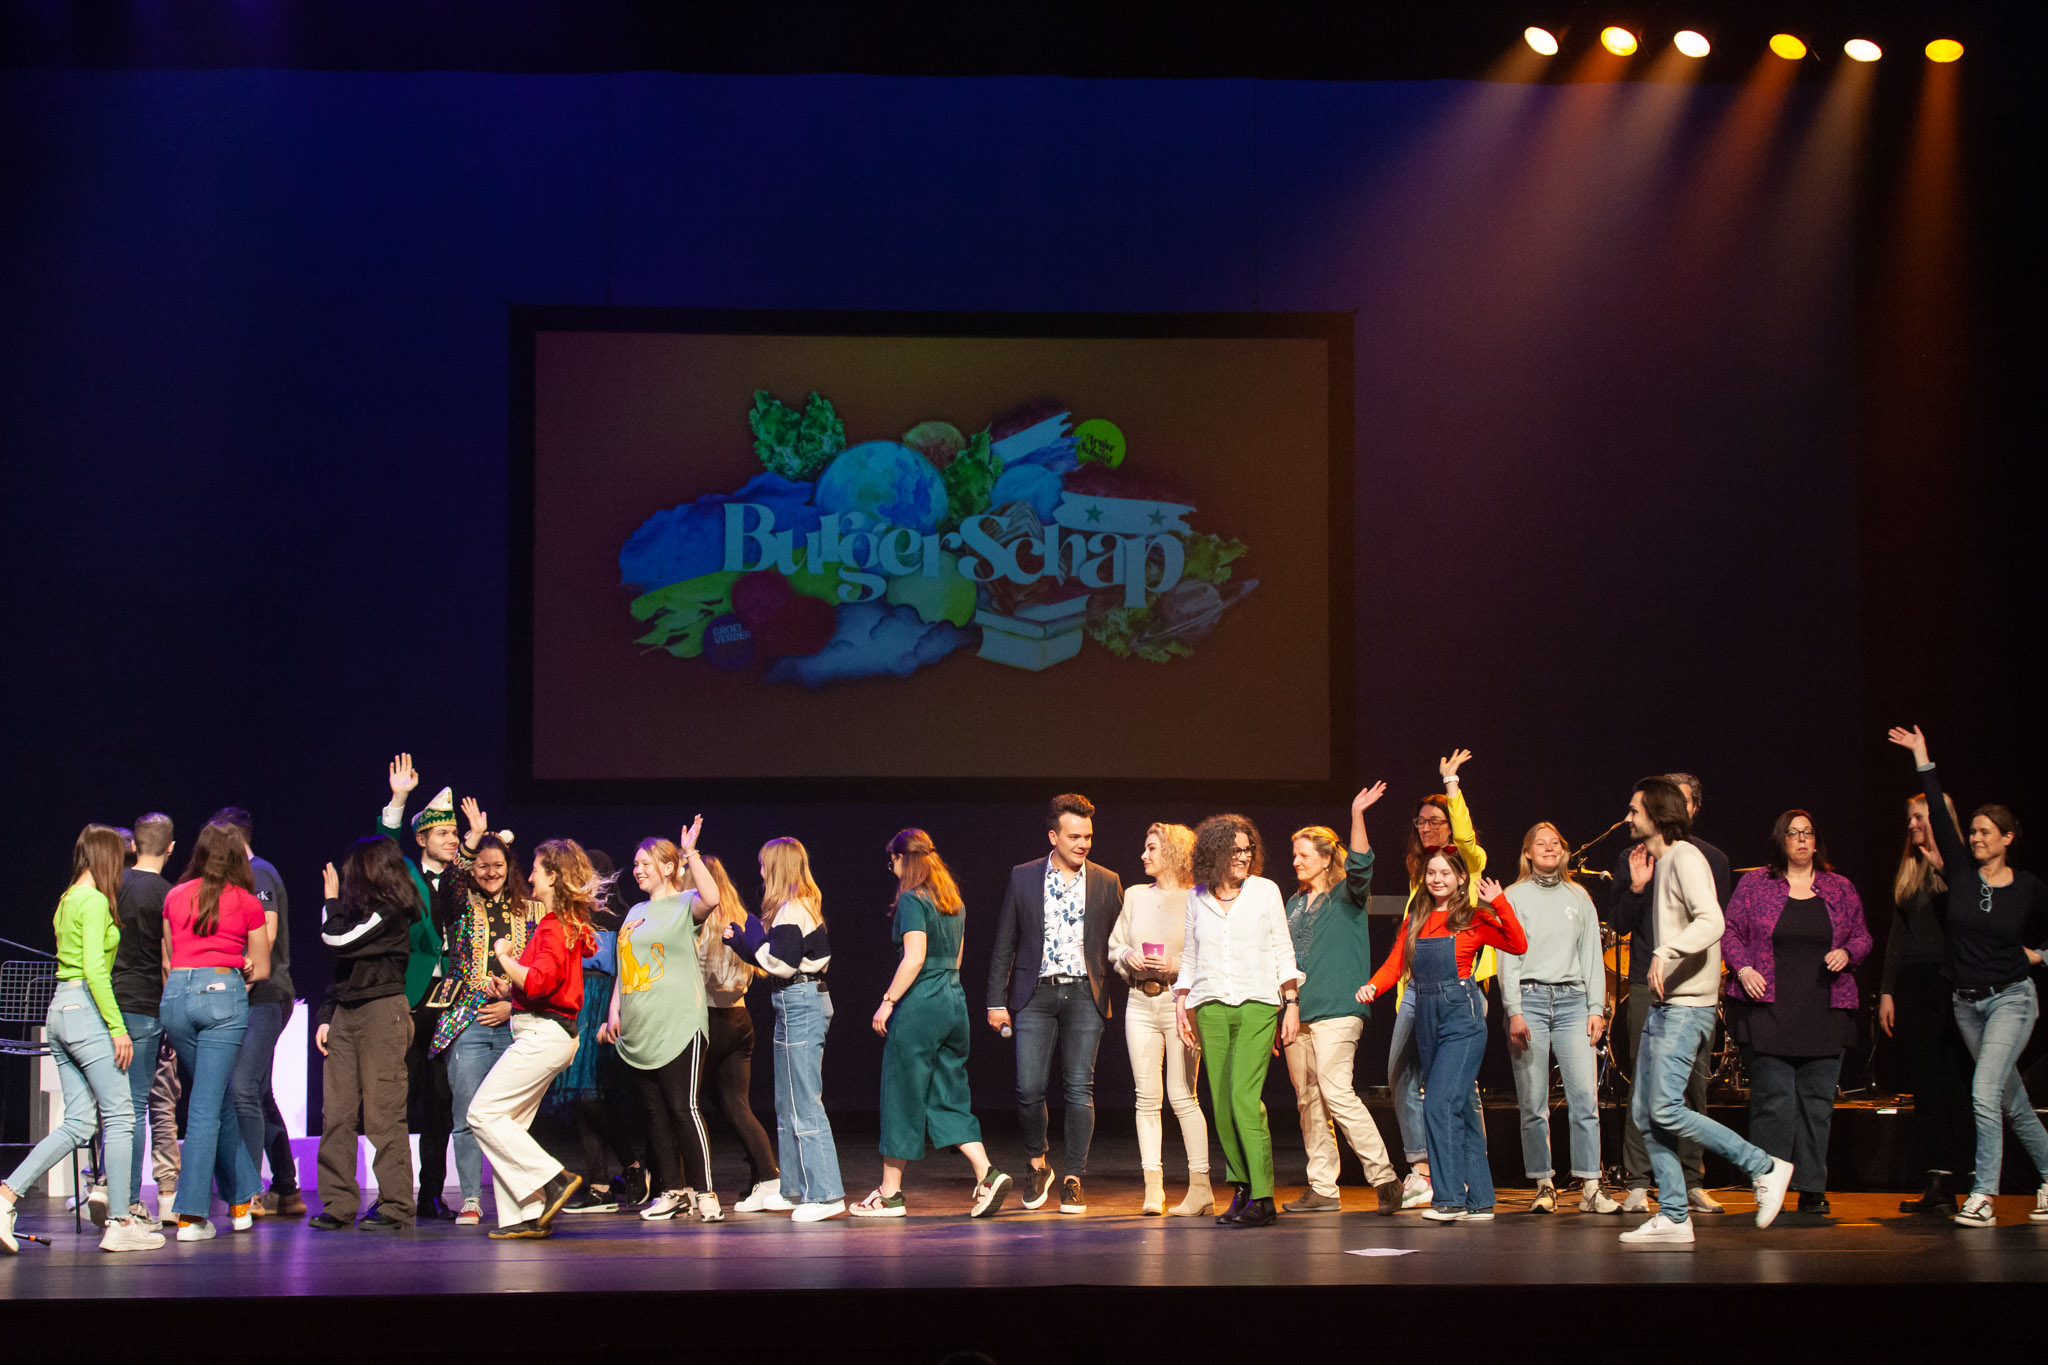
(26,988)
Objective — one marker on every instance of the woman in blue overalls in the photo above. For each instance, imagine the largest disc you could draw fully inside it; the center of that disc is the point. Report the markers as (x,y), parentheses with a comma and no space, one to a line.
(1443,936)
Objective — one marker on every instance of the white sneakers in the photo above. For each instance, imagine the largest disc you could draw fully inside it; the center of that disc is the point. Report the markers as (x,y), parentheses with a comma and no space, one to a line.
(1416,1192)
(664,1206)
(817,1213)
(1699,1201)
(2040,1213)
(130,1235)
(1976,1213)
(1593,1199)
(766,1197)
(7,1239)
(1770,1190)
(707,1208)
(166,1207)
(1660,1232)
(470,1214)
(198,1230)
(96,1205)
(1638,1201)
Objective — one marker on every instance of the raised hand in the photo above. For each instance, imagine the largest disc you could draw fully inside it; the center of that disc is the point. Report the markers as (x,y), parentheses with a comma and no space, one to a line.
(1448,767)
(1909,739)
(1367,796)
(403,778)
(690,834)
(1640,866)
(330,882)
(479,823)
(1489,890)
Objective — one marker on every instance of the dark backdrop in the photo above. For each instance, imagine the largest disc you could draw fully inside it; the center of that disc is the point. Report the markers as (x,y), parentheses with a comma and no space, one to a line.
(1628,497)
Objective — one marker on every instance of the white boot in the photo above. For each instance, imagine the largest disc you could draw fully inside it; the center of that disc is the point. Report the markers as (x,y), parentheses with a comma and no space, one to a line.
(1200,1201)
(1155,1193)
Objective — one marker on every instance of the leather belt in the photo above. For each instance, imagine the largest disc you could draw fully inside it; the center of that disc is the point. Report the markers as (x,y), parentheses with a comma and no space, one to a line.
(1975,993)
(1153,987)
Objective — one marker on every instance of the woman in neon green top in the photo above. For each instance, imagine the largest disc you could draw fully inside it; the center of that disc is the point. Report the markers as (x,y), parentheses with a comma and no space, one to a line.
(88,1041)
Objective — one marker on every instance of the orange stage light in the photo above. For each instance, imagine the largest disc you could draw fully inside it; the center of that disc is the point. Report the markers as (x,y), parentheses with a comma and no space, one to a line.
(1787,46)
(1618,40)
(1944,50)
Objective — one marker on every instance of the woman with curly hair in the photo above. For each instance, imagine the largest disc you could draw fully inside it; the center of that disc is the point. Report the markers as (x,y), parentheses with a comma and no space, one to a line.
(545,985)
(1145,948)
(1238,985)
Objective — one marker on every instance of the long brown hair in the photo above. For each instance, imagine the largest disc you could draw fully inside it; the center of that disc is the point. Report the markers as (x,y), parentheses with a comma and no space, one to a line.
(577,890)
(1418,852)
(1916,873)
(100,850)
(220,859)
(786,876)
(731,910)
(924,870)
(1462,910)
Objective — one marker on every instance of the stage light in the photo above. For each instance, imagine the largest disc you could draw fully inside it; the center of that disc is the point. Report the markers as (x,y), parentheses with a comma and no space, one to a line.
(1618,40)
(1787,46)
(1691,44)
(1862,50)
(1944,50)
(1541,39)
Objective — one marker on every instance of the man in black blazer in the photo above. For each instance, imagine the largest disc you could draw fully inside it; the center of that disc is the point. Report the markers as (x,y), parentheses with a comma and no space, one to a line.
(1049,983)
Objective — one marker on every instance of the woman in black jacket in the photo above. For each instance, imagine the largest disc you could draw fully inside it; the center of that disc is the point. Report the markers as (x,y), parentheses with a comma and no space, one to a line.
(365,1029)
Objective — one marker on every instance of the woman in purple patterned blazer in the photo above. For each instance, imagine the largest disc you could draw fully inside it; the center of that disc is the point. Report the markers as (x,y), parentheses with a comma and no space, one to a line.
(1795,933)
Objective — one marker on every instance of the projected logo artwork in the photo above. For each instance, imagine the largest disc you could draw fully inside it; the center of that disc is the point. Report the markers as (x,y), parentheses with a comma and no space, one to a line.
(1019,545)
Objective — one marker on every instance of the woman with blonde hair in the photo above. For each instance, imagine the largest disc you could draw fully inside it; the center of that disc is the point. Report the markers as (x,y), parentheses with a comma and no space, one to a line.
(659,1019)
(89,1043)
(729,1038)
(1916,1005)
(923,1023)
(792,949)
(1333,947)
(545,985)
(1145,948)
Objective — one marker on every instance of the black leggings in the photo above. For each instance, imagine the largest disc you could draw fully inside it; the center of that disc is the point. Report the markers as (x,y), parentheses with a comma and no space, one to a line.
(670,1094)
(731,1064)
(601,1131)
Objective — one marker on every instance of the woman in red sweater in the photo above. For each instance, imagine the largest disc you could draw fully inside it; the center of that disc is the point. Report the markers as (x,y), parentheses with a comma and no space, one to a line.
(1443,935)
(545,986)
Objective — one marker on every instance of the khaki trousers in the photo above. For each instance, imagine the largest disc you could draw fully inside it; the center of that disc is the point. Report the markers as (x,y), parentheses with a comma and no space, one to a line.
(1319,1063)
(365,1070)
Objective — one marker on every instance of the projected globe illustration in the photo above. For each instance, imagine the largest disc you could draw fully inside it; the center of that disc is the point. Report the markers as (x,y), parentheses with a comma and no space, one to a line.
(890,483)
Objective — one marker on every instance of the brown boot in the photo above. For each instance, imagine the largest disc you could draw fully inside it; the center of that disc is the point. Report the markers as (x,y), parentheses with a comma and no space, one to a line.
(1200,1201)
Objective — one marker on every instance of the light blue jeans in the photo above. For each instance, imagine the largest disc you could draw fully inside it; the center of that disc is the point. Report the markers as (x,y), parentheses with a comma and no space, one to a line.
(205,1014)
(146,1031)
(83,1050)
(1995,1030)
(1556,1016)
(470,1058)
(1672,1037)
(803,1133)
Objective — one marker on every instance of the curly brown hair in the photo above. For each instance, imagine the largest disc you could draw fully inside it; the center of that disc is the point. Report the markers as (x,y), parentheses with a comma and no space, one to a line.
(1216,840)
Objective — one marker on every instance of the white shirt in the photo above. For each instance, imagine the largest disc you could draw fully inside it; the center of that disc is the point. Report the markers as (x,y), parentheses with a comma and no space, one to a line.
(1237,951)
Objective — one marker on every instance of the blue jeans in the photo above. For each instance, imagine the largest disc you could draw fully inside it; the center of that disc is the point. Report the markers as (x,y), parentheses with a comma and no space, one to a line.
(1450,1040)
(1556,1016)
(803,1134)
(206,1014)
(262,1127)
(83,1050)
(1995,1030)
(146,1031)
(1672,1037)
(1062,1014)
(1405,1081)
(470,1058)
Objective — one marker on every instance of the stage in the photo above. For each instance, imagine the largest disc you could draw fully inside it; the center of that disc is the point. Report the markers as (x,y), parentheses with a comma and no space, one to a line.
(1044,1286)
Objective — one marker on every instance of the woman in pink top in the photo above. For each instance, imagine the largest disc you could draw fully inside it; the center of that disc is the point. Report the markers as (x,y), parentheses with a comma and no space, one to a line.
(212,950)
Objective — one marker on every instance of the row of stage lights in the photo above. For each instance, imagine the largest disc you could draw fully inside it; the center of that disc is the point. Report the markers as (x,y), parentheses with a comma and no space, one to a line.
(1624,43)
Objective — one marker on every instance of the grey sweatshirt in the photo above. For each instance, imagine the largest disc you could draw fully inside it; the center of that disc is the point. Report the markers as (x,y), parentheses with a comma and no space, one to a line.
(1564,944)
(1689,926)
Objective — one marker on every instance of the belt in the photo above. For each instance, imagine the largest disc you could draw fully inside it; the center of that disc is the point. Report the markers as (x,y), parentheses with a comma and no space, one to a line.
(1986,992)
(779,983)
(1153,987)
(1064,980)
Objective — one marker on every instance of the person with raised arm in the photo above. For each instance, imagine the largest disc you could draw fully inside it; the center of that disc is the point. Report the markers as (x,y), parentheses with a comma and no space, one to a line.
(1997,921)
(90,1046)
(1442,820)
(1145,948)
(1332,945)
(364,1031)
(1684,981)
(1794,938)
(659,1020)
(1554,998)
(1440,941)
(1916,1004)
(1238,989)
(427,1088)
(923,1023)
(789,944)
(545,985)
(1630,914)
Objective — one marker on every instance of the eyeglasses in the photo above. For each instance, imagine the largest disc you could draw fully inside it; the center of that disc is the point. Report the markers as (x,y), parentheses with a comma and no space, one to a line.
(1431,822)
(1798,834)
(1237,853)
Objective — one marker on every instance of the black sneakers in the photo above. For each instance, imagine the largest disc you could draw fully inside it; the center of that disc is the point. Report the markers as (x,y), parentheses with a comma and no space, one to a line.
(554,1194)
(1038,1186)
(1072,1199)
(594,1199)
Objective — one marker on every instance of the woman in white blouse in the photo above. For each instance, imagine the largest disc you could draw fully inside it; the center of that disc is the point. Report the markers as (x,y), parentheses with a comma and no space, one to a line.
(1237,986)
(1145,948)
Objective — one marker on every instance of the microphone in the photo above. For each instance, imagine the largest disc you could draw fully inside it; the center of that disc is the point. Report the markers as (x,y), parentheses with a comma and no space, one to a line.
(1583,871)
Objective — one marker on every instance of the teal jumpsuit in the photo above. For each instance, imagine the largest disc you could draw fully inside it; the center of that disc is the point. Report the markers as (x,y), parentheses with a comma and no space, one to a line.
(924,1058)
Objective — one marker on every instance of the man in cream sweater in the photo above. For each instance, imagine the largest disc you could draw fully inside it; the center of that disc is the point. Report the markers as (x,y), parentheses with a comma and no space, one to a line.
(1684,980)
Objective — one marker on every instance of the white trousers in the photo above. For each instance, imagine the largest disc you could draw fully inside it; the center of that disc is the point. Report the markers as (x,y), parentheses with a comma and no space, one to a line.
(1155,1046)
(503,1111)
(1319,1063)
